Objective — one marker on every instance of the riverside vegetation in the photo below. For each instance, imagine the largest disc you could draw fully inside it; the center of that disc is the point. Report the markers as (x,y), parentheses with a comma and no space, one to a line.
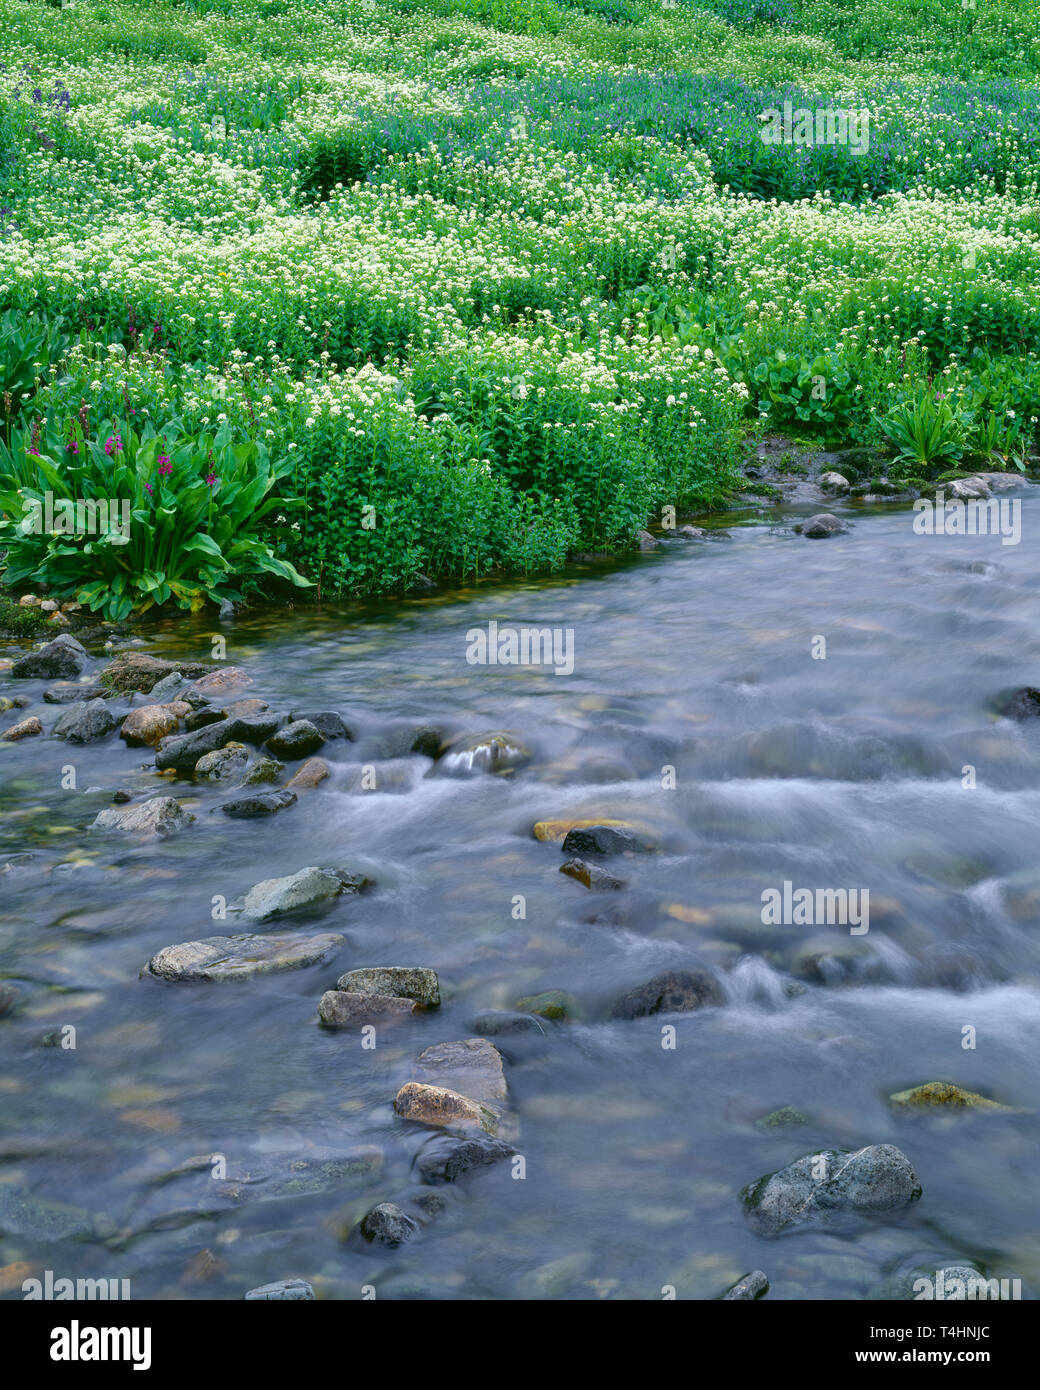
(344,293)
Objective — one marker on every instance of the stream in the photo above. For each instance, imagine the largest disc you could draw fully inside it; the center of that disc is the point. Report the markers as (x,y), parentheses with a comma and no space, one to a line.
(699,705)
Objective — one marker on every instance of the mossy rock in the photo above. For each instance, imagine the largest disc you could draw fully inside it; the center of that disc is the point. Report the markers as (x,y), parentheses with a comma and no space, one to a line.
(944,1095)
(18,621)
(551,1003)
(787,1117)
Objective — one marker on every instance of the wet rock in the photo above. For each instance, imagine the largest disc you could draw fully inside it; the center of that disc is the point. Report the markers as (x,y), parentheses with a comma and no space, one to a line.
(674,991)
(691,533)
(274,897)
(402,981)
(241,957)
(149,724)
(154,819)
(1020,704)
(605,840)
(122,796)
(265,770)
(446,1160)
(968,488)
(71,692)
(752,1286)
(285,1290)
(645,541)
(553,1004)
(497,753)
(820,526)
(245,709)
(436,1105)
(259,804)
(327,722)
(8,703)
(875,1179)
(220,682)
(175,687)
(592,876)
(502,1023)
(202,717)
(472,1066)
(787,1117)
(311,774)
(834,482)
(555,831)
(944,1095)
(181,752)
(223,763)
(25,728)
(8,997)
(296,740)
(387,1224)
(85,722)
(60,659)
(338,1008)
(136,671)
(29,1217)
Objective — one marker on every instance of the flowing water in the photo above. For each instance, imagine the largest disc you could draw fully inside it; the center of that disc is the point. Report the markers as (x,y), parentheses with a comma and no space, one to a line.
(695,665)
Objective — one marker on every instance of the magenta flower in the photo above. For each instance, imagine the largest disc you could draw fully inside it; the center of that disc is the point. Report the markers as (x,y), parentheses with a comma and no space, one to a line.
(165,466)
(211,479)
(113,444)
(72,447)
(148,489)
(34,451)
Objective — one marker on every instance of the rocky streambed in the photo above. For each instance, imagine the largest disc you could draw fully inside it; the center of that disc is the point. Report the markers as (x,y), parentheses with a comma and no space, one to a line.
(694,955)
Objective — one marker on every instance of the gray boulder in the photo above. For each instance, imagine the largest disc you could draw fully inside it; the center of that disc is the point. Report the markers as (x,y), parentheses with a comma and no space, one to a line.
(832,1183)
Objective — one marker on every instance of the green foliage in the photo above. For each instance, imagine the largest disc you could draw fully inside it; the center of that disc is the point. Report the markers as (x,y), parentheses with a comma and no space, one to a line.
(927,432)
(28,346)
(141,519)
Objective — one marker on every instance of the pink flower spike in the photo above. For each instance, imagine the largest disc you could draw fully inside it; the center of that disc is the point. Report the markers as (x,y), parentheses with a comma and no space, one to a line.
(211,479)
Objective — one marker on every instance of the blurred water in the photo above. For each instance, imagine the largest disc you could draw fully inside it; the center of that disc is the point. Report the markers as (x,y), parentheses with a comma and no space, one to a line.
(837,773)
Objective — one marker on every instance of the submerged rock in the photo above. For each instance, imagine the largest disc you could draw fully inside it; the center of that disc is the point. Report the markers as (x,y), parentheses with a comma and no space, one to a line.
(338,1008)
(833,1182)
(274,897)
(557,830)
(502,1022)
(834,482)
(259,804)
(153,819)
(285,1290)
(592,876)
(751,1286)
(674,991)
(296,740)
(387,1224)
(496,753)
(944,1095)
(1023,703)
(241,957)
(787,1117)
(60,659)
(401,981)
(471,1065)
(447,1160)
(8,997)
(553,1004)
(437,1105)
